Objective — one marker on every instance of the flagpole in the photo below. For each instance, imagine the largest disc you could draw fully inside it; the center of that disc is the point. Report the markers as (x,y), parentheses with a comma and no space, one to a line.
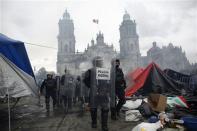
(8,95)
(96,21)
(98,26)
(9,121)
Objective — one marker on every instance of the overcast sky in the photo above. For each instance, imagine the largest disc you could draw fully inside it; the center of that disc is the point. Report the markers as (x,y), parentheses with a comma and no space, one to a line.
(36,21)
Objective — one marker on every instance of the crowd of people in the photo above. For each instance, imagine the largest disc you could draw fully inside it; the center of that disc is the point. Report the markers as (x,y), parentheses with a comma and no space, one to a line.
(99,88)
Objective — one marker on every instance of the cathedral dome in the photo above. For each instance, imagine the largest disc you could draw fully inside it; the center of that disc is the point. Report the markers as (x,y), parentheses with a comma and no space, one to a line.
(126,16)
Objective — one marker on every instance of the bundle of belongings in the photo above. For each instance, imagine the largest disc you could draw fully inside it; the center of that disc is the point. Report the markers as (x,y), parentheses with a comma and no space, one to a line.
(147,110)
(144,126)
(147,107)
(162,122)
(161,91)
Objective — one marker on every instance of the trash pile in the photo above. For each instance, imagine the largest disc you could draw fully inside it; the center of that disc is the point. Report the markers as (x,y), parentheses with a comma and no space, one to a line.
(161,102)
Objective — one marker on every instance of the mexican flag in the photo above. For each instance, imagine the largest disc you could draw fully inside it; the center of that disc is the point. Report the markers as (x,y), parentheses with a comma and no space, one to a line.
(177,101)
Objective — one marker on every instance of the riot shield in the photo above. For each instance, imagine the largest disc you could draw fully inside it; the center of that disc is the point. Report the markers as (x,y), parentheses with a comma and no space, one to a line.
(78,89)
(67,91)
(69,86)
(112,85)
(85,90)
(58,90)
(100,87)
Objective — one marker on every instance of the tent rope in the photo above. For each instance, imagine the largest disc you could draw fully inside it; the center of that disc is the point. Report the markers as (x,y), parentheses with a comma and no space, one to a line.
(9,109)
(40,45)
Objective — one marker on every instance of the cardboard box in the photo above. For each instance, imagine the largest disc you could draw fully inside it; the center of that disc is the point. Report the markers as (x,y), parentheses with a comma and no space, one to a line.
(157,102)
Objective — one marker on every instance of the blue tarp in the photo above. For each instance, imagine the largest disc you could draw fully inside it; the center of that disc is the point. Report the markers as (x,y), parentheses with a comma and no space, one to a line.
(15,51)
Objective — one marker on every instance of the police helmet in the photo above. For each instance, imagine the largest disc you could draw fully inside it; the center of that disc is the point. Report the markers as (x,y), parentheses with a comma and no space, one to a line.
(117,60)
(97,61)
(49,75)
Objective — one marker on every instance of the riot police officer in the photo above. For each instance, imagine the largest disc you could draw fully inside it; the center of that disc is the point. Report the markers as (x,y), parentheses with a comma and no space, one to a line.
(120,85)
(67,89)
(50,89)
(99,92)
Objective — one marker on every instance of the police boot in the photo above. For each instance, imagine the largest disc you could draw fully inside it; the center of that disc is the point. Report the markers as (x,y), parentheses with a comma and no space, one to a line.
(104,119)
(93,112)
(47,100)
(121,102)
(47,109)
(113,114)
(54,104)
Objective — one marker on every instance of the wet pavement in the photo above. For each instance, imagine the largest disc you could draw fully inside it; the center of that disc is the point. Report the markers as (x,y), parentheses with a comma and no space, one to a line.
(29,116)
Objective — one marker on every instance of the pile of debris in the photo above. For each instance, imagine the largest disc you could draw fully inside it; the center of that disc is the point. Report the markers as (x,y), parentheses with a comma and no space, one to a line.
(161,101)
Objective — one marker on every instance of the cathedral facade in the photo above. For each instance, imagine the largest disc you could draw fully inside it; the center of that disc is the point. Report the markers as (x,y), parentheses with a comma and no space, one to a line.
(170,56)
(129,55)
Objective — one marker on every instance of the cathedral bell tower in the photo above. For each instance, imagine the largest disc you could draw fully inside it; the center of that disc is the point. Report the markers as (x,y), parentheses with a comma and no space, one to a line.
(66,37)
(129,41)
(66,43)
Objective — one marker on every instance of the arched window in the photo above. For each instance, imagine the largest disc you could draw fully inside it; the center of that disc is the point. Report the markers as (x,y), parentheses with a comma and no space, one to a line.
(61,46)
(66,48)
(131,47)
(128,47)
(70,46)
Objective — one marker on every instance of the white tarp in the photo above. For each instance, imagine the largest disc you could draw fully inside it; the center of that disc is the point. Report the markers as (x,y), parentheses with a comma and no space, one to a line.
(132,115)
(130,104)
(17,81)
(147,126)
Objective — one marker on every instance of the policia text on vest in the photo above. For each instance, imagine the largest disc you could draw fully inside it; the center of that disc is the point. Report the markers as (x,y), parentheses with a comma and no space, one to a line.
(102,74)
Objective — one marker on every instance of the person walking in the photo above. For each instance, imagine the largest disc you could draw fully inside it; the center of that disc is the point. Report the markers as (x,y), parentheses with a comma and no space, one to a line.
(50,88)
(120,84)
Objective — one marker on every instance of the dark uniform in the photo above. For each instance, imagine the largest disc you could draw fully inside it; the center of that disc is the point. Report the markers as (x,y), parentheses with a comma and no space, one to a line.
(78,90)
(58,78)
(50,87)
(120,85)
(99,94)
(85,89)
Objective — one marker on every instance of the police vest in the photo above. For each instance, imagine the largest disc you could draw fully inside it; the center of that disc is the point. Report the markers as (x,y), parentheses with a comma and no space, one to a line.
(50,84)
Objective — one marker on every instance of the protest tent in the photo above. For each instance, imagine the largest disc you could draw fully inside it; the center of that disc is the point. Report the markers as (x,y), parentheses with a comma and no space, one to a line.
(16,74)
(152,80)
(134,74)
